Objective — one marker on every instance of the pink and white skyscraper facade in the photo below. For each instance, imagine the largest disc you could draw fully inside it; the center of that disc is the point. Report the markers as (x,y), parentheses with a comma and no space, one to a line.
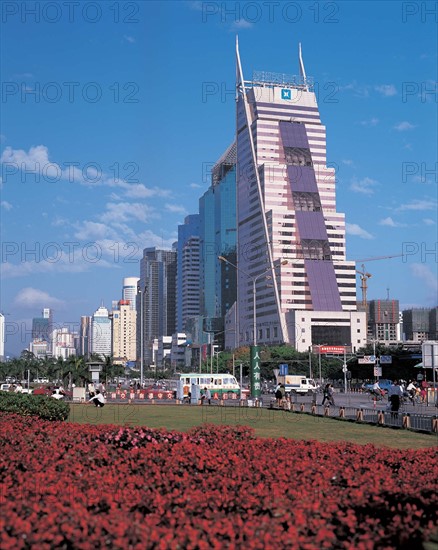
(291,238)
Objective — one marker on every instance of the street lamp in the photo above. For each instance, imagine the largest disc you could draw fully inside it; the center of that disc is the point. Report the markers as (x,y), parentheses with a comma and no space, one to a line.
(254,351)
(254,290)
(139,291)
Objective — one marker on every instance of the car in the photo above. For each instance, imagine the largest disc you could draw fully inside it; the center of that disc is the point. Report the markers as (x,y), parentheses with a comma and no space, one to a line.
(5,387)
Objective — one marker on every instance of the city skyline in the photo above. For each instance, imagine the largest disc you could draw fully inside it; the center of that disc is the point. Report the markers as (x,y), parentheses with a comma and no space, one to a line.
(165,115)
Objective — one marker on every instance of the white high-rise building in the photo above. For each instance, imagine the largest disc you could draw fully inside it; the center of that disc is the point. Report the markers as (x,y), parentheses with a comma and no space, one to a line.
(63,343)
(291,239)
(2,337)
(129,291)
(101,332)
(124,332)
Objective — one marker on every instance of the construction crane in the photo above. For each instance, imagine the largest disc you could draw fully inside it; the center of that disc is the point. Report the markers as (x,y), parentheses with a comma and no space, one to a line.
(364,276)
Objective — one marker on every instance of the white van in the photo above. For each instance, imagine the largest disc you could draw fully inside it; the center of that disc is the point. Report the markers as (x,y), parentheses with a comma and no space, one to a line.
(298,384)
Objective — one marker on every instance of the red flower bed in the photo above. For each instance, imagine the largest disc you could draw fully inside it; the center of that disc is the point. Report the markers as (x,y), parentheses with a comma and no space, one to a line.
(77,486)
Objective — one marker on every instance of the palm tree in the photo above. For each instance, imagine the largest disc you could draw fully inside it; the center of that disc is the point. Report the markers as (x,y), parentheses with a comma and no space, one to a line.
(76,369)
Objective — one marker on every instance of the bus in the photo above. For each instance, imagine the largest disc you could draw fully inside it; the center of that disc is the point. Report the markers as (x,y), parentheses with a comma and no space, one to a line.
(221,386)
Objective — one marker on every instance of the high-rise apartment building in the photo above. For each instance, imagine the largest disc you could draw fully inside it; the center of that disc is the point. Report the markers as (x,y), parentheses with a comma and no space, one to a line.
(129,290)
(292,262)
(158,295)
(101,332)
(433,324)
(416,324)
(188,274)
(383,320)
(124,333)
(63,343)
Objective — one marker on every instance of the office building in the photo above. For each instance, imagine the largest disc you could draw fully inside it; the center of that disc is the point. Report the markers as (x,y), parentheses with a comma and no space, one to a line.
(129,290)
(291,239)
(2,337)
(101,332)
(188,271)
(42,326)
(157,293)
(84,340)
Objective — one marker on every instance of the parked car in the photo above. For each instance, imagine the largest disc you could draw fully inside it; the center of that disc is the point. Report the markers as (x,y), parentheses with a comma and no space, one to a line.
(5,387)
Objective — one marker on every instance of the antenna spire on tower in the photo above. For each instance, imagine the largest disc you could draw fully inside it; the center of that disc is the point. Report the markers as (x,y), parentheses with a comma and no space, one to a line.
(301,64)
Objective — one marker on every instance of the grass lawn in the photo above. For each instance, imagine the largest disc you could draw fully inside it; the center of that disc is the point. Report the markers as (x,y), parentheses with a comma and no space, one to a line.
(267,423)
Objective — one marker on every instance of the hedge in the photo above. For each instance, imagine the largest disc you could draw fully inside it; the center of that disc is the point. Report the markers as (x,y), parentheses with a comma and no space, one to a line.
(41,406)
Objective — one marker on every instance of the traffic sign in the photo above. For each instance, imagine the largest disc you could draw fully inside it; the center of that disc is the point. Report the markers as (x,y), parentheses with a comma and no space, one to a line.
(367,360)
(385,359)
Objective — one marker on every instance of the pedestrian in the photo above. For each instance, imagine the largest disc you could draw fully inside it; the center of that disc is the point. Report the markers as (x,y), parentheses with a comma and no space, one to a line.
(207,396)
(98,399)
(91,390)
(328,395)
(278,395)
(395,394)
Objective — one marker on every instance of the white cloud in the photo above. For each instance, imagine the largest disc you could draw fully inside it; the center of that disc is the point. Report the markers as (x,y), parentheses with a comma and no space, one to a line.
(403,126)
(140,191)
(389,222)
(357,231)
(195,186)
(419,204)
(364,186)
(128,211)
(175,208)
(89,231)
(387,90)
(129,39)
(359,90)
(36,156)
(371,122)
(6,205)
(424,273)
(348,162)
(428,221)
(36,160)
(32,297)
(241,24)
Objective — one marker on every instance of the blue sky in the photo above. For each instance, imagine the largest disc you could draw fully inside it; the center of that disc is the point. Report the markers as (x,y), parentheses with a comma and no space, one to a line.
(134,102)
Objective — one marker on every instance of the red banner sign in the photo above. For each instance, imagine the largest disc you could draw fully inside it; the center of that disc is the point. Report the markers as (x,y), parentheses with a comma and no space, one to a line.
(331,349)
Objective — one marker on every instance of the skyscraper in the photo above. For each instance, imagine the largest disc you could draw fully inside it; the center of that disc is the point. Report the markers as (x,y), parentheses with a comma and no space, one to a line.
(101,332)
(188,275)
(2,337)
(217,212)
(84,347)
(286,211)
(42,326)
(124,336)
(158,286)
(129,291)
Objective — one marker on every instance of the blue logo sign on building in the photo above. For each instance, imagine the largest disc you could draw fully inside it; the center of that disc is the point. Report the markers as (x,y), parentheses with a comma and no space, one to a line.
(286,93)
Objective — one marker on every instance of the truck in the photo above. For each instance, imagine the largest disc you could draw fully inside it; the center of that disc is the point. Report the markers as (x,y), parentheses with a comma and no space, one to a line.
(297,383)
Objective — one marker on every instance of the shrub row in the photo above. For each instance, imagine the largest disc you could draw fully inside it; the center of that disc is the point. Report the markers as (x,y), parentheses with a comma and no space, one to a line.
(41,406)
(216,487)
